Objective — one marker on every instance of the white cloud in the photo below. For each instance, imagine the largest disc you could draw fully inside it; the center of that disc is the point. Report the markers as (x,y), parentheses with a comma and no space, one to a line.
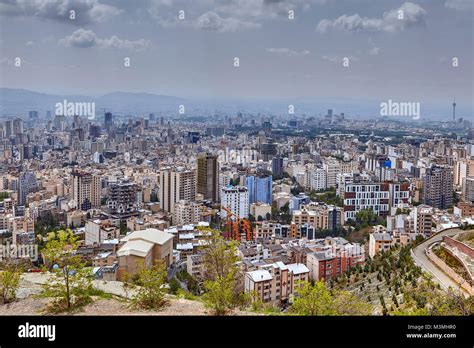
(288,52)
(82,38)
(213,22)
(413,15)
(86,11)
(225,14)
(264,8)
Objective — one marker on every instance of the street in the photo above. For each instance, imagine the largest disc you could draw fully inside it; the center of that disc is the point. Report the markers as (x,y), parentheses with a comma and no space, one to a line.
(420,258)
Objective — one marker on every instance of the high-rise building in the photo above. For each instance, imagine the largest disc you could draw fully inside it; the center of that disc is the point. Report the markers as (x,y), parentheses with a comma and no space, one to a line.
(108,121)
(438,187)
(26,184)
(236,199)
(94,131)
(332,167)
(33,114)
(122,198)
(277,166)
(86,190)
(462,168)
(59,122)
(268,150)
(267,126)
(468,189)
(208,177)
(176,184)
(17,126)
(259,187)
(8,128)
(315,178)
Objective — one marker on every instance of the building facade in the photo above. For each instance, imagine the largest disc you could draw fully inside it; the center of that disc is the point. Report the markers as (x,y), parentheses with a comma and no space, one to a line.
(175,185)
(208,177)
(86,190)
(438,187)
(236,199)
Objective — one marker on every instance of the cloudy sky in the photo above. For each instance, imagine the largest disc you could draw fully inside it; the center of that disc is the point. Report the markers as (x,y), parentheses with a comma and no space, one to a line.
(406,59)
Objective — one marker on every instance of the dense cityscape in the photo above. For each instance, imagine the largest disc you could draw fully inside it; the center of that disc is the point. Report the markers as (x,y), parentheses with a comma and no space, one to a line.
(306,199)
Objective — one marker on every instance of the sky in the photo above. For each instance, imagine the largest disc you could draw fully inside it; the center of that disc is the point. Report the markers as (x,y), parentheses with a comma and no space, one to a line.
(408,59)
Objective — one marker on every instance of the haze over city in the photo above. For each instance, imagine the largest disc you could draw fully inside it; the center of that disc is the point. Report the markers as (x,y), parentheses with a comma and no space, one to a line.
(282,60)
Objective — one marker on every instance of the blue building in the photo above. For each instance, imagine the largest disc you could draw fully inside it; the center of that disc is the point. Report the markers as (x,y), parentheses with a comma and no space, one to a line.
(297,201)
(260,188)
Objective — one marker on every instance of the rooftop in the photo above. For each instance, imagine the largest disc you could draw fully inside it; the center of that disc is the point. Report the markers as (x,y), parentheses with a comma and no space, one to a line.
(260,275)
(150,235)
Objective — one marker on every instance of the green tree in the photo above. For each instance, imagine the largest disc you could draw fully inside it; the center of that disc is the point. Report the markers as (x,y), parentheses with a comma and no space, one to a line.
(317,299)
(174,286)
(70,282)
(123,227)
(223,286)
(4,195)
(346,303)
(9,282)
(149,285)
(314,300)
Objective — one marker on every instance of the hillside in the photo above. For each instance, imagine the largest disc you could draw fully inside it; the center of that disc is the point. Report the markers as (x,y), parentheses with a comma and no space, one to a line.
(29,304)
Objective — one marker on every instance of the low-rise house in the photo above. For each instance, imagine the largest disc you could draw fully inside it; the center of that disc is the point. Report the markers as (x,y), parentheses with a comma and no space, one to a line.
(96,231)
(332,256)
(274,283)
(379,243)
(146,246)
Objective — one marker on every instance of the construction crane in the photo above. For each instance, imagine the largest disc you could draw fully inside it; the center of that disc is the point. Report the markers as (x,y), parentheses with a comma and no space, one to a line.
(237,226)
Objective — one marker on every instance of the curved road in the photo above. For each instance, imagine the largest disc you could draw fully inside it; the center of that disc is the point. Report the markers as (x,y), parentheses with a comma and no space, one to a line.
(420,258)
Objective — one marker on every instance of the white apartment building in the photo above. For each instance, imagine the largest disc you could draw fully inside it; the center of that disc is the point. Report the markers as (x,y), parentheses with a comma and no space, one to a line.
(359,196)
(97,231)
(316,178)
(376,196)
(332,168)
(236,199)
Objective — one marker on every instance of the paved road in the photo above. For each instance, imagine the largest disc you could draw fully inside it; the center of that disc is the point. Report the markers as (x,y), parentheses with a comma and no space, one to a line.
(425,263)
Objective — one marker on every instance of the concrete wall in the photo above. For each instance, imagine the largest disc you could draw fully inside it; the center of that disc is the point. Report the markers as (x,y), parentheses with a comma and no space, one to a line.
(449,271)
(463,247)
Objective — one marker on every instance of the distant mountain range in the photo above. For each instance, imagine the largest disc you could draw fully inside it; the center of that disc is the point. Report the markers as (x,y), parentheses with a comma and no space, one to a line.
(16,102)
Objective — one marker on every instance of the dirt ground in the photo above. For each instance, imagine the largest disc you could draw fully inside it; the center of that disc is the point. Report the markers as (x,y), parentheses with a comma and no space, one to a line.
(100,306)
(28,303)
